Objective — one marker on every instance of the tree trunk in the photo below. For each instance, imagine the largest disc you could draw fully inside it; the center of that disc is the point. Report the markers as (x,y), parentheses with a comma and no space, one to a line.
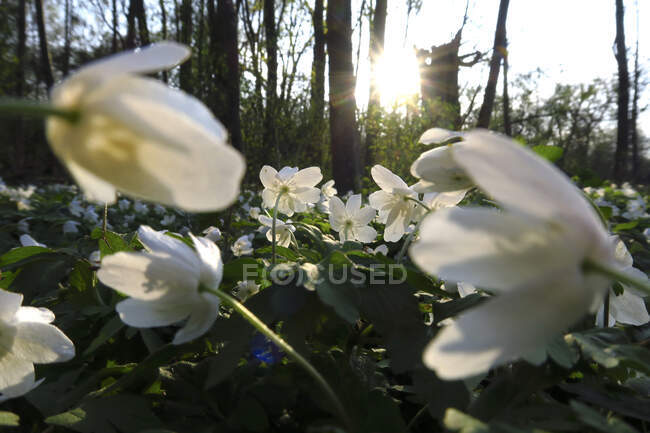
(635,113)
(317,105)
(224,90)
(377,33)
(163,19)
(66,39)
(271,40)
(46,65)
(115,26)
(343,125)
(620,159)
(141,16)
(507,124)
(497,53)
(19,129)
(130,26)
(200,67)
(185,78)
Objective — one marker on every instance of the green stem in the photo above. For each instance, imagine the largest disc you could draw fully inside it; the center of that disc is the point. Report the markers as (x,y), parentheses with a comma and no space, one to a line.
(615,274)
(261,327)
(597,210)
(420,203)
(409,239)
(105,222)
(19,107)
(275,217)
(417,416)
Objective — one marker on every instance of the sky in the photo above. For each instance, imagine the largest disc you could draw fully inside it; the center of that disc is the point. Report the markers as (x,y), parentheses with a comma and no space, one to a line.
(569,40)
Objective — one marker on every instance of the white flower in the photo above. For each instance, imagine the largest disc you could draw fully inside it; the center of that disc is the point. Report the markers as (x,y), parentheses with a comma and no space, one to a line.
(297,188)
(439,200)
(160,210)
(165,283)
(138,136)
(246,289)
(124,204)
(212,233)
(28,241)
(128,219)
(381,249)
(23,225)
(532,254)
(351,220)
(95,258)
(90,215)
(75,207)
(70,227)
(396,209)
(242,246)
(438,135)
(140,207)
(254,212)
(283,230)
(168,219)
(627,307)
(439,172)
(327,189)
(27,338)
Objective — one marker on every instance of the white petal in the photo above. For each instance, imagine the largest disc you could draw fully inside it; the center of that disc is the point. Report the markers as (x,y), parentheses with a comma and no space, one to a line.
(465,289)
(210,262)
(16,376)
(386,179)
(287,173)
(158,242)
(150,314)
(94,188)
(9,304)
(307,177)
(203,316)
(152,58)
(32,314)
(494,250)
(628,308)
(28,241)
(440,171)
(267,177)
(507,327)
(396,224)
(519,179)
(353,204)
(269,197)
(364,216)
(365,234)
(337,214)
(41,343)
(265,220)
(307,195)
(438,135)
(381,200)
(149,276)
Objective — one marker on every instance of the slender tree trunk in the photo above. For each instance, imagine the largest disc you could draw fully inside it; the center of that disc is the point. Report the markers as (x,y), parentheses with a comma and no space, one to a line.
(377,33)
(21,48)
(620,159)
(317,105)
(343,125)
(130,25)
(185,77)
(115,25)
(46,65)
(141,16)
(507,124)
(163,18)
(495,63)
(224,99)
(200,69)
(271,39)
(66,38)
(635,113)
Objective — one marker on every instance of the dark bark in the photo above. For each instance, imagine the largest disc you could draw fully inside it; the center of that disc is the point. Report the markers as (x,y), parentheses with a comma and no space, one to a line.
(67,30)
(185,76)
(377,33)
(271,41)
(200,66)
(343,125)
(141,16)
(21,48)
(497,54)
(163,19)
(130,26)
(224,91)
(507,124)
(115,24)
(317,105)
(635,113)
(46,64)
(622,138)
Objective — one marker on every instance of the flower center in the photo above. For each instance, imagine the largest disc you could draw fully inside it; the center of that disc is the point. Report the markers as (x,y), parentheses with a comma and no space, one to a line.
(284,189)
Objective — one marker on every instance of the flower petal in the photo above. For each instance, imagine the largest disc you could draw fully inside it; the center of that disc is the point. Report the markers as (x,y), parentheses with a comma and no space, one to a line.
(438,135)
(268,177)
(628,308)
(158,242)
(16,376)
(386,179)
(9,304)
(364,216)
(210,262)
(396,224)
(492,249)
(41,343)
(94,188)
(519,179)
(439,171)
(203,316)
(365,234)
(150,314)
(353,204)
(381,200)
(337,214)
(307,177)
(510,326)
(307,194)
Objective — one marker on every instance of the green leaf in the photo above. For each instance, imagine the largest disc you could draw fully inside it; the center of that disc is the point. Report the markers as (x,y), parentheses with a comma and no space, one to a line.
(9,419)
(457,421)
(562,353)
(625,226)
(19,256)
(109,329)
(551,153)
(341,297)
(594,419)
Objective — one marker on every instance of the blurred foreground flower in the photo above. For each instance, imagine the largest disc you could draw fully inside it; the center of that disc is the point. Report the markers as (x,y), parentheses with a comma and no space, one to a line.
(351,221)
(27,338)
(297,188)
(532,254)
(137,135)
(165,283)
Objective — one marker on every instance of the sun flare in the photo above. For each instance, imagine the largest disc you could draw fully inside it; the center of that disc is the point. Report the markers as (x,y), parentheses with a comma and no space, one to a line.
(398,77)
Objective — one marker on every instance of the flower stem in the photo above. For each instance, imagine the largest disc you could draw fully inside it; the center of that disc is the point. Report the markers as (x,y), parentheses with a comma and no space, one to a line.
(290,351)
(615,274)
(409,239)
(20,107)
(428,209)
(275,217)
